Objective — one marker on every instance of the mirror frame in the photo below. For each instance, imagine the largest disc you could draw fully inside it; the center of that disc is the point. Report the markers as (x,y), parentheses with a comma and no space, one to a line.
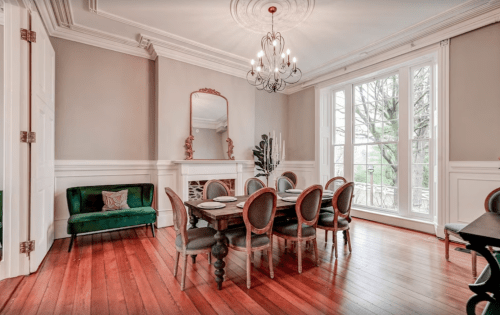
(189,141)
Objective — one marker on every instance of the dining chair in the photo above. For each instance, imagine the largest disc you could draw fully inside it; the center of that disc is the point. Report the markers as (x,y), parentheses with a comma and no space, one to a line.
(252,185)
(292,176)
(491,204)
(188,242)
(215,188)
(284,183)
(338,220)
(304,228)
(333,184)
(257,234)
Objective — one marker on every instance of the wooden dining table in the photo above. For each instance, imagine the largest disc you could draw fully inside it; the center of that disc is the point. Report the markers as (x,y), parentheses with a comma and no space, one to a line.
(221,219)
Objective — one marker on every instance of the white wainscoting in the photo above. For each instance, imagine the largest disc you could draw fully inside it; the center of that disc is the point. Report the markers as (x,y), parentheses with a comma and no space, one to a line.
(303,169)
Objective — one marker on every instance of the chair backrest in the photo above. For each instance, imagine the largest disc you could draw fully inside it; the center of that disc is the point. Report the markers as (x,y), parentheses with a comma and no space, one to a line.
(252,185)
(342,200)
(335,183)
(259,211)
(180,214)
(215,188)
(292,176)
(283,183)
(308,205)
(492,202)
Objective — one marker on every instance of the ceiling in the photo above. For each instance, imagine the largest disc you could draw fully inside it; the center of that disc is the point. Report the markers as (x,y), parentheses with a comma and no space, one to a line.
(324,35)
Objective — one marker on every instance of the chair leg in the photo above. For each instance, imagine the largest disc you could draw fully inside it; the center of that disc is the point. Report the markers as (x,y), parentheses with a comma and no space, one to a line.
(446,245)
(334,245)
(345,236)
(270,258)
(315,244)
(176,263)
(348,236)
(326,236)
(474,264)
(153,229)
(184,265)
(286,245)
(299,249)
(73,238)
(249,267)
(209,258)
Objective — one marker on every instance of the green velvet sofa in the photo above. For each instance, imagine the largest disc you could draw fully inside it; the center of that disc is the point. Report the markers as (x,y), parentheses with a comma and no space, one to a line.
(86,215)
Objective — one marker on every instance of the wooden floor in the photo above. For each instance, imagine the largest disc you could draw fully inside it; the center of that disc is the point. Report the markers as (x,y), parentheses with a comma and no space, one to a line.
(391,271)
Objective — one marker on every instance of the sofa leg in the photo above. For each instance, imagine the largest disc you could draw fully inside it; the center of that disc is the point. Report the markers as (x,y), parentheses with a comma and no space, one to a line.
(73,237)
(153,229)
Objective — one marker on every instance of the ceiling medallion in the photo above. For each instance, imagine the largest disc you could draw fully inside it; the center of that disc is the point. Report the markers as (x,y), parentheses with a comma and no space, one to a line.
(253,14)
(273,70)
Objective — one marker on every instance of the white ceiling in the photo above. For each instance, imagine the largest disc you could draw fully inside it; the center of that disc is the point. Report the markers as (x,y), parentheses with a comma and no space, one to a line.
(334,34)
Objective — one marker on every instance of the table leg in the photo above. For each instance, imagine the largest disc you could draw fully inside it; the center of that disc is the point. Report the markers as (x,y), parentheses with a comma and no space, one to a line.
(193,220)
(219,250)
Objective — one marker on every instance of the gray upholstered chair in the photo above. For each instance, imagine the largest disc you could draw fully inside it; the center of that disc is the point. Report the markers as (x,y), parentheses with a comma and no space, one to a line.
(214,189)
(188,242)
(338,221)
(284,183)
(252,185)
(333,184)
(304,228)
(491,204)
(257,234)
(292,176)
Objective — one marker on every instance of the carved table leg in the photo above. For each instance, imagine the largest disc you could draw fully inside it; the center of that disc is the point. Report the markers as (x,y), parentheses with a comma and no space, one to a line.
(193,220)
(219,250)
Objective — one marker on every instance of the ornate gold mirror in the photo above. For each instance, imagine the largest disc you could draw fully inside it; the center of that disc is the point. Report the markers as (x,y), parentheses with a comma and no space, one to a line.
(209,128)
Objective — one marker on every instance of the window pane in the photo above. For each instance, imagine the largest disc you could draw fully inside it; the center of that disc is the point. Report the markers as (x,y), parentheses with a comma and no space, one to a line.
(360,154)
(339,99)
(390,153)
(338,154)
(361,114)
(360,194)
(421,127)
(391,109)
(391,131)
(360,173)
(420,152)
(374,154)
(420,200)
(361,134)
(338,170)
(340,135)
(389,198)
(420,176)
(390,175)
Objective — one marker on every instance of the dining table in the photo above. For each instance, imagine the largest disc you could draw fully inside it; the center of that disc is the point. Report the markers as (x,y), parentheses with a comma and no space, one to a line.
(230,215)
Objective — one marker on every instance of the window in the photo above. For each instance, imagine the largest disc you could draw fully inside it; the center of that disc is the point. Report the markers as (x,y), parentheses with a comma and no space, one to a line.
(382,139)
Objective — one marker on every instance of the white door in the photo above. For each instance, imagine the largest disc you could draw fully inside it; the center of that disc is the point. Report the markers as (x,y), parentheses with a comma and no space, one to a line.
(42,151)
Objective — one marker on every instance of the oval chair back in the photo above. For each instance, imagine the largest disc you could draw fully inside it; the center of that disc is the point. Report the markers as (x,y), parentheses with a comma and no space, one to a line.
(492,202)
(215,188)
(292,176)
(252,185)
(284,183)
(342,200)
(259,212)
(308,206)
(180,215)
(335,183)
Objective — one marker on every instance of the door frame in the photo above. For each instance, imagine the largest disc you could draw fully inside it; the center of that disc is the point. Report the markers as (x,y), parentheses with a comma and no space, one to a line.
(16,79)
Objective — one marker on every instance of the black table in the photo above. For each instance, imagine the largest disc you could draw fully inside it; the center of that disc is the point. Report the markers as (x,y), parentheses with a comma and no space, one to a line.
(483,232)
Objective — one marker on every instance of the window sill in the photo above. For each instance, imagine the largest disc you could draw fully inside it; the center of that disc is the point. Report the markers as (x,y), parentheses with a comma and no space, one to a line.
(394,220)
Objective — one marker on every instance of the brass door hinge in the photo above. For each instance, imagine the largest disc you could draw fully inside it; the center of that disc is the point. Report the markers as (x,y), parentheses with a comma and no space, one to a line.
(27,35)
(27,247)
(28,137)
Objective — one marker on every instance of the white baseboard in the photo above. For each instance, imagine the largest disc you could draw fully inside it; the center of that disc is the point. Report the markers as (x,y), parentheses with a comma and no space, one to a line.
(407,223)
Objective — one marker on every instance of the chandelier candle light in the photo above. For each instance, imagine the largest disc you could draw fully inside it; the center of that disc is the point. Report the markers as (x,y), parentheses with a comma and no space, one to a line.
(274,69)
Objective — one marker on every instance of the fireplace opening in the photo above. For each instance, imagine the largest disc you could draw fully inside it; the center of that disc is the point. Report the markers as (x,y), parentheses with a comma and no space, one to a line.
(195,188)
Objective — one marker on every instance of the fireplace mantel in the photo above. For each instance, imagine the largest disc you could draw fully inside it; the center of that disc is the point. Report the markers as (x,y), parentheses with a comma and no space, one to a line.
(198,170)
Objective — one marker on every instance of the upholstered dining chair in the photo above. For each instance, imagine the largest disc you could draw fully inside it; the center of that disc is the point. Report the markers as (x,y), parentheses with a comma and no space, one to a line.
(188,242)
(257,234)
(304,228)
(215,188)
(491,204)
(333,184)
(284,183)
(292,176)
(252,185)
(338,220)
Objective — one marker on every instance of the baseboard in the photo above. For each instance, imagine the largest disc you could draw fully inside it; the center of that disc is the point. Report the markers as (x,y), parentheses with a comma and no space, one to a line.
(407,223)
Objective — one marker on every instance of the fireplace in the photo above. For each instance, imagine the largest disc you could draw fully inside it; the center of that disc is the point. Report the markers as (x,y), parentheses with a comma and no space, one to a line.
(195,188)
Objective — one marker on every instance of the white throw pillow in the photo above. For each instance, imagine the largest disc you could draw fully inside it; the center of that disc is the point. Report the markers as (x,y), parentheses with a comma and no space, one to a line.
(115,200)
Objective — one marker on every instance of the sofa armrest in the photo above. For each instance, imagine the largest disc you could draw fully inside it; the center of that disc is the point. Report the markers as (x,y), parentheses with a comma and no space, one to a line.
(147,195)
(74,200)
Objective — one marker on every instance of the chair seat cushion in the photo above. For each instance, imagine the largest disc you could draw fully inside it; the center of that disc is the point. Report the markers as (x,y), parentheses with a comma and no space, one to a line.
(454,227)
(200,238)
(104,220)
(290,228)
(326,219)
(326,210)
(238,237)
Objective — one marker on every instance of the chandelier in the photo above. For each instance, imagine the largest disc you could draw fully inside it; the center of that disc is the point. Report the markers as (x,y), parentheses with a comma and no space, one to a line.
(273,70)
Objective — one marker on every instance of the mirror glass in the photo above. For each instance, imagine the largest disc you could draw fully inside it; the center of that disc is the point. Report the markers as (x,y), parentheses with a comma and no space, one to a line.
(209,126)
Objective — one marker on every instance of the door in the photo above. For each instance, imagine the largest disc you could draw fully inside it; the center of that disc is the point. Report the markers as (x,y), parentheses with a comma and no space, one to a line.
(42,150)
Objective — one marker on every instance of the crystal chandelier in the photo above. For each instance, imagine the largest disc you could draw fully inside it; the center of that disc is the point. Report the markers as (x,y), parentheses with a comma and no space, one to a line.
(273,70)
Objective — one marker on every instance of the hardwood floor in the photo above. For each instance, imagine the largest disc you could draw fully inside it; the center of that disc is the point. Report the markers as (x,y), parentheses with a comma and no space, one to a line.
(391,271)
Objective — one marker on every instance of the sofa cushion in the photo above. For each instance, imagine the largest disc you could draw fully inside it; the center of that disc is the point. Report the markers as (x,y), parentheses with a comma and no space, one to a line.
(115,200)
(98,221)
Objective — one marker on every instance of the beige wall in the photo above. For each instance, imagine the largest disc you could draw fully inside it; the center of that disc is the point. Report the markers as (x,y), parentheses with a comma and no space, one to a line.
(176,80)
(300,137)
(475,95)
(104,104)
(271,113)
(1,106)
